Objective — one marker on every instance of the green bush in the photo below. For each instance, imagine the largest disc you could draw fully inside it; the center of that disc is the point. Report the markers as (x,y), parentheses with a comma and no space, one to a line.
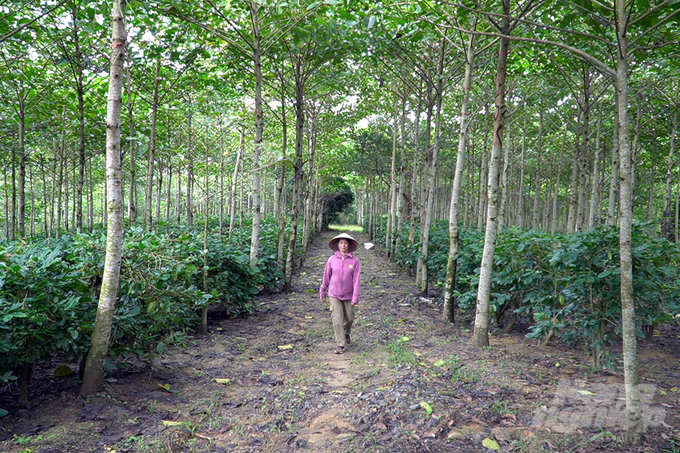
(560,285)
(49,289)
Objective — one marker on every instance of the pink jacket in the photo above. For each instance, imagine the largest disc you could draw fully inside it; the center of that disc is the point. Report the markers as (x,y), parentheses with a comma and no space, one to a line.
(342,277)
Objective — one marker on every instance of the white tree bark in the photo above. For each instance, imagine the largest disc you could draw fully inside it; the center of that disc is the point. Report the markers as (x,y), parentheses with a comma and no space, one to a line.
(634,425)
(432,174)
(667,225)
(595,183)
(614,177)
(480,337)
(257,146)
(454,230)
(148,194)
(234,181)
(94,368)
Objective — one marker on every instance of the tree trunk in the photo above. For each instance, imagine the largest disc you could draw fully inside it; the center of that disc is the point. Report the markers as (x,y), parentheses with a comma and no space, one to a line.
(308,219)
(521,214)
(652,177)
(668,229)
(94,368)
(480,336)
(53,188)
(392,214)
(614,178)
(535,214)
(62,164)
(584,150)
(221,199)
(168,196)
(22,169)
(279,198)
(47,197)
(677,216)
(574,188)
(595,183)
(634,424)
(206,289)
(297,171)
(432,170)
(483,175)
(504,178)
(152,151)
(67,185)
(190,166)
(90,198)
(159,190)
(234,181)
(425,174)
(454,230)
(178,203)
(31,201)
(7,203)
(257,145)
(80,91)
(401,189)
(414,174)
(132,191)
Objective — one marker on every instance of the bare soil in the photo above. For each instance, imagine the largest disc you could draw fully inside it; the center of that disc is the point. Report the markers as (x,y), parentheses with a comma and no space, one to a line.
(409,382)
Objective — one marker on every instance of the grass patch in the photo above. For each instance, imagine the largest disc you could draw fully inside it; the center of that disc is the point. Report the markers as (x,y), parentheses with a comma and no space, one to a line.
(399,354)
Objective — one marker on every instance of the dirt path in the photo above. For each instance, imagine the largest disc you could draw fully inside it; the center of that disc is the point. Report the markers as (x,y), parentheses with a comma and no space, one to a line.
(408,383)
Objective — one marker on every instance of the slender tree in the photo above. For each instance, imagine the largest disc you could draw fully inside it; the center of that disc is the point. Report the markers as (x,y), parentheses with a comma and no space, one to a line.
(480,335)
(94,367)
(454,229)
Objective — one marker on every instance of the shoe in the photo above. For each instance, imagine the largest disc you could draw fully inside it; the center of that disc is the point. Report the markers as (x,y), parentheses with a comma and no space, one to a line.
(348,340)
(339,350)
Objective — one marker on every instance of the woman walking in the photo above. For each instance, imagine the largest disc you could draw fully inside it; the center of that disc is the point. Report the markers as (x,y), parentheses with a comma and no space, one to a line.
(341,280)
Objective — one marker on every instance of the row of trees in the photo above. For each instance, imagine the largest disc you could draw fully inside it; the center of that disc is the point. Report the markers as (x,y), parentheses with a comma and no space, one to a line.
(555,116)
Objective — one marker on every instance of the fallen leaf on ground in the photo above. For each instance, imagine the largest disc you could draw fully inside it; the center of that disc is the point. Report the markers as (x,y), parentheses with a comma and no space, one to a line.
(427,407)
(170,423)
(491,444)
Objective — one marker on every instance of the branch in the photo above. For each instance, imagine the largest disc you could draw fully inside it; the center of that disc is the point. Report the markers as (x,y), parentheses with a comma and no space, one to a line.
(219,33)
(656,26)
(588,12)
(657,46)
(17,30)
(288,28)
(586,56)
(541,25)
(651,11)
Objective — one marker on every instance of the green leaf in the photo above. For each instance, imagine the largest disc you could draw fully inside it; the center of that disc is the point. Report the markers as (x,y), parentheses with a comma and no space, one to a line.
(491,444)
(63,370)
(3,412)
(439,362)
(427,407)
